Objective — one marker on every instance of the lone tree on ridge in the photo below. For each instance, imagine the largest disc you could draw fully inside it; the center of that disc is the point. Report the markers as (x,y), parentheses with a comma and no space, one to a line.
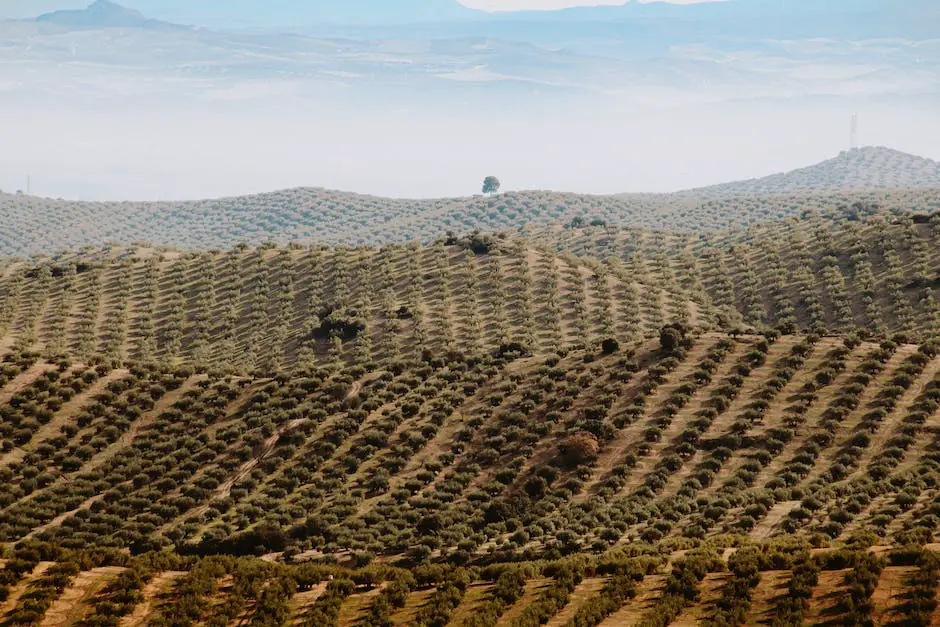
(490,185)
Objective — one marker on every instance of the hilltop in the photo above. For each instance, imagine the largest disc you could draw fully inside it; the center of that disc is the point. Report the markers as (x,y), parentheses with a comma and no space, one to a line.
(862,168)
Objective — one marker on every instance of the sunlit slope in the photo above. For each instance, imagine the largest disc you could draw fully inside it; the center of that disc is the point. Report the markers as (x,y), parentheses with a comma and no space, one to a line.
(783,582)
(272,308)
(484,459)
(842,271)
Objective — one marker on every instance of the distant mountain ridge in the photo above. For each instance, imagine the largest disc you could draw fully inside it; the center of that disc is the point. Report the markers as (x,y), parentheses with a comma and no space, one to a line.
(863,168)
(240,13)
(102,14)
(290,13)
(298,14)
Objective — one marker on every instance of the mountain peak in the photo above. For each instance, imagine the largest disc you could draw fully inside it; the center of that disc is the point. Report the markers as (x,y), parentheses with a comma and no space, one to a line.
(99,14)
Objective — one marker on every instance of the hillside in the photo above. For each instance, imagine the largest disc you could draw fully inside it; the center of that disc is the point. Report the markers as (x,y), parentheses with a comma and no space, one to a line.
(869,167)
(481,431)
(272,308)
(34,225)
(852,268)
(674,443)
(780,582)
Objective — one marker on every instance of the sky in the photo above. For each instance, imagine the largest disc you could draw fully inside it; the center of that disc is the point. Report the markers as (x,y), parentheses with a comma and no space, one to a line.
(18,9)
(93,131)
(538,5)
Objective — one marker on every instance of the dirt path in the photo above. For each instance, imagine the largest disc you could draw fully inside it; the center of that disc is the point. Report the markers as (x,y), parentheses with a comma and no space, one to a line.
(58,520)
(442,438)
(888,596)
(413,604)
(585,590)
(17,591)
(68,410)
(357,606)
(773,585)
(158,587)
(126,439)
(777,411)
(533,588)
(724,420)
(477,594)
(146,419)
(19,383)
(709,593)
(71,605)
(647,593)
(888,427)
(23,380)
(266,448)
(614,451)
(822,605)
(849,427)
(303,601)
(778,512)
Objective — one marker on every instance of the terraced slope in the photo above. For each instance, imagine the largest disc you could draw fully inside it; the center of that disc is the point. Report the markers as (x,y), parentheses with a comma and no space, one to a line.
(34,225)
(871,271)
(272,308)
(486,459)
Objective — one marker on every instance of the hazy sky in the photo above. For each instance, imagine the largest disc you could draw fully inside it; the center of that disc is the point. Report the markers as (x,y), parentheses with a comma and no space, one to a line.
(517,5)
(17,9)
(138,129)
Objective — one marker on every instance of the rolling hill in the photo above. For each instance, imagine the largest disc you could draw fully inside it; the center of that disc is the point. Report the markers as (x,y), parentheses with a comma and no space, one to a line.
(631,466)
(869,167)
(476,432)
(272,308)
(852,268)
(760,584)
(35,225)
(570,422)
(276,13)
(315,408)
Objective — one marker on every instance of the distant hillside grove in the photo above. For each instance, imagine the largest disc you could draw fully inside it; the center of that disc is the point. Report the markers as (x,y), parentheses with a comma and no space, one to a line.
(34,225)
(859,168)
(271,308)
